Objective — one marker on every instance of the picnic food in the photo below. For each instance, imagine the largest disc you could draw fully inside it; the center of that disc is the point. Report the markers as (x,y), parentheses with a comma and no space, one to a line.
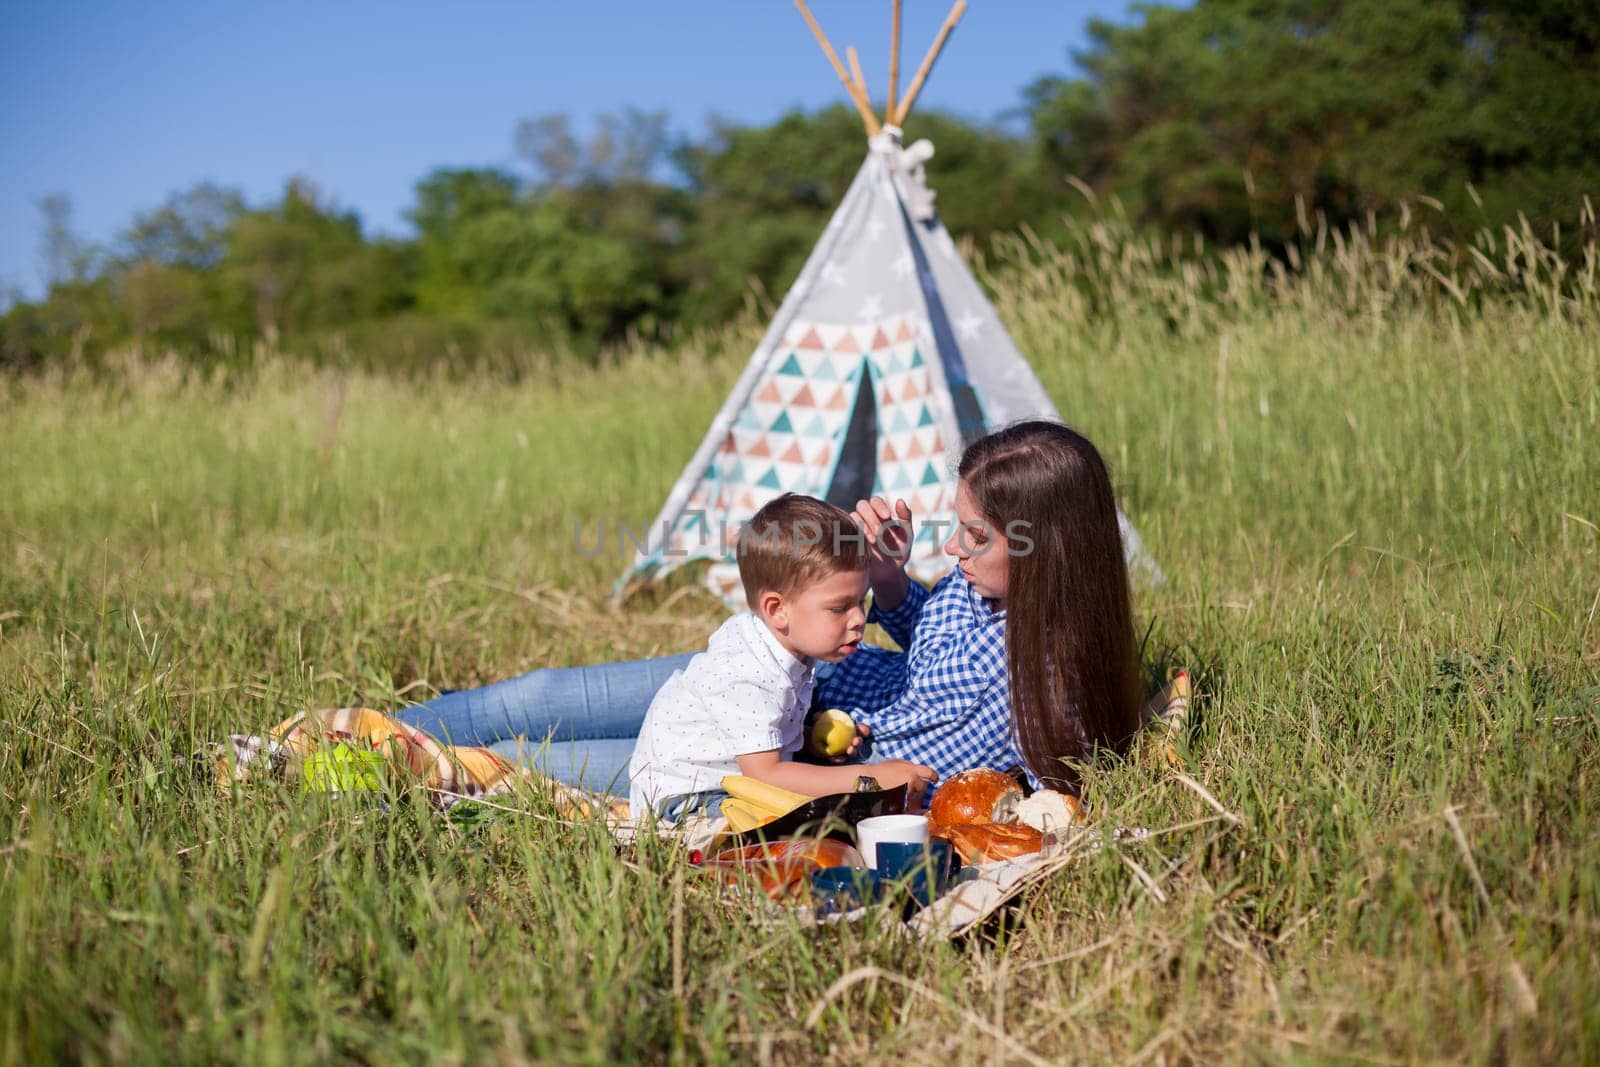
(985,842)
(782,868)
(832,733)
(742,816)
(979,796)
(760,797)
(1049,810)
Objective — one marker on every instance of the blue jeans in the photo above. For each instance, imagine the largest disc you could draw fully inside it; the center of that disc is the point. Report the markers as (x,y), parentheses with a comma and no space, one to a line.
(578,725)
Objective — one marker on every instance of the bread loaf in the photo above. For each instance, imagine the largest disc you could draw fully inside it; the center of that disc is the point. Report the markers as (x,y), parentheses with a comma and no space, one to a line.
(1048,810)
(980,796)
(986,842)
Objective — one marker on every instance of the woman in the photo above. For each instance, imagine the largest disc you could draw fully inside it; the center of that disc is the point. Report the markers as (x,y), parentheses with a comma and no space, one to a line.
(1023,657)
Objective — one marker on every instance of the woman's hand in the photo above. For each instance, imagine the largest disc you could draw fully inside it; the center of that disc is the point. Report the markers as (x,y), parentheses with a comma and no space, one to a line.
(888,533)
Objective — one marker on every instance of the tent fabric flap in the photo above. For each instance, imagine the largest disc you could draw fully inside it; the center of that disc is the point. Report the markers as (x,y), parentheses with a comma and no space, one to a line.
(884,360)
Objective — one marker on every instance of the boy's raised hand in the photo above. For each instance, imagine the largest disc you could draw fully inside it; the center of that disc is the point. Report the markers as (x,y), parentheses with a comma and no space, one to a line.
(914,776)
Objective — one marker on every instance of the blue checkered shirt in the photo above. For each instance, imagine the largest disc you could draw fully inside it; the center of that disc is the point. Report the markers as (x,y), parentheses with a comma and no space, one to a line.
(943,701)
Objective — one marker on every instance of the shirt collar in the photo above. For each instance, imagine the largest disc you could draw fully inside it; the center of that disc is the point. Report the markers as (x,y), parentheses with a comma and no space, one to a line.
(981,606)
(798,668)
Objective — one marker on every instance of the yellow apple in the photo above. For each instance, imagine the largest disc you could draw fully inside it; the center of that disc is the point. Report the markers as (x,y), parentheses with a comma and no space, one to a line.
(832,733)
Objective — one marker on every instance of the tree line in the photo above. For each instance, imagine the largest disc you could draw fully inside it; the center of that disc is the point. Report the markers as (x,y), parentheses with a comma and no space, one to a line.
(1233,119)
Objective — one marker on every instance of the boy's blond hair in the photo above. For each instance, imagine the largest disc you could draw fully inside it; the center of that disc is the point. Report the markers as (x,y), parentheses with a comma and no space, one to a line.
(795,541)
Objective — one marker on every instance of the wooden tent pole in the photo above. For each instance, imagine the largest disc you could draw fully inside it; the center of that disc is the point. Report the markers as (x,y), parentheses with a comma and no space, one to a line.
(927,60)
(861,103)
(855,73)
(894,61)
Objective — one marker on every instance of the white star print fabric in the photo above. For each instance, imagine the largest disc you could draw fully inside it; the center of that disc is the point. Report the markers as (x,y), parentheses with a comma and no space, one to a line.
(745,693)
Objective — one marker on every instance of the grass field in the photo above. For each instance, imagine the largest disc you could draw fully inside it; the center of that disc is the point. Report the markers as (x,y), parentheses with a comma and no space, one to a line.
(1373,482)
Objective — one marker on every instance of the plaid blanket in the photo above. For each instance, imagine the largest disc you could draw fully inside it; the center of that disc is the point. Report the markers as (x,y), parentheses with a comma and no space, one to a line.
(450,773)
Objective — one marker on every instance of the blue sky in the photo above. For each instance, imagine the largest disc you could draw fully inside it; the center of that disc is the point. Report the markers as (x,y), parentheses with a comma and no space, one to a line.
(117,104)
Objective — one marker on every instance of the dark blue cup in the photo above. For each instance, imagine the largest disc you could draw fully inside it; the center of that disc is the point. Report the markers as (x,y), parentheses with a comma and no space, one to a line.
(921,870)
(841,889)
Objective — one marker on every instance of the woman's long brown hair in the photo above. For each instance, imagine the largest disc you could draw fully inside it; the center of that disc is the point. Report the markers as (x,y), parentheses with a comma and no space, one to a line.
(1070,654)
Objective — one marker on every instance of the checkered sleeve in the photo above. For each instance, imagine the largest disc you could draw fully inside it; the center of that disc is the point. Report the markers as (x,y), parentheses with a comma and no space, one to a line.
(945,702)
(870,679)
(980,738)
(900,621)
(954,713)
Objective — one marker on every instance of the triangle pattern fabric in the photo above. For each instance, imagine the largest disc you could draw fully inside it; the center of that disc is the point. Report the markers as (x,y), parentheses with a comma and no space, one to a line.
(883,354)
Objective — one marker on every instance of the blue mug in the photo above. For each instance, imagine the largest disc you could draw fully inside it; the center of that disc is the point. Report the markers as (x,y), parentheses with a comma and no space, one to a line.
(922,870)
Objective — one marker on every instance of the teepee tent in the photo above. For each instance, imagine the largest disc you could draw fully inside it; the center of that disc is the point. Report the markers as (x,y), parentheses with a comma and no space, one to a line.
(883,362)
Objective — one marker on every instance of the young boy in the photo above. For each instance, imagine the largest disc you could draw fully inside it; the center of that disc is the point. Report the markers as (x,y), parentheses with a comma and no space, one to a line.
(740,706)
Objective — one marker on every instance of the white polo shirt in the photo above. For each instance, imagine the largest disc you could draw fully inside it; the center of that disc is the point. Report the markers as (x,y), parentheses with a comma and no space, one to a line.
(745,693)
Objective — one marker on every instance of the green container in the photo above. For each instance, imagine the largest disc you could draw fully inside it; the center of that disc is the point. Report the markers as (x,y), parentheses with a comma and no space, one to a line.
(344,769)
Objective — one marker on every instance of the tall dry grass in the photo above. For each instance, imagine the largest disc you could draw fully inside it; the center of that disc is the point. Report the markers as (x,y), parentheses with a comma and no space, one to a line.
(1369,470)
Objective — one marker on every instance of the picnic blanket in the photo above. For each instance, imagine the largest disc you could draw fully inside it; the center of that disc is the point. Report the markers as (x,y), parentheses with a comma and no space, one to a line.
(454,773)
(457,772)
(450,773)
